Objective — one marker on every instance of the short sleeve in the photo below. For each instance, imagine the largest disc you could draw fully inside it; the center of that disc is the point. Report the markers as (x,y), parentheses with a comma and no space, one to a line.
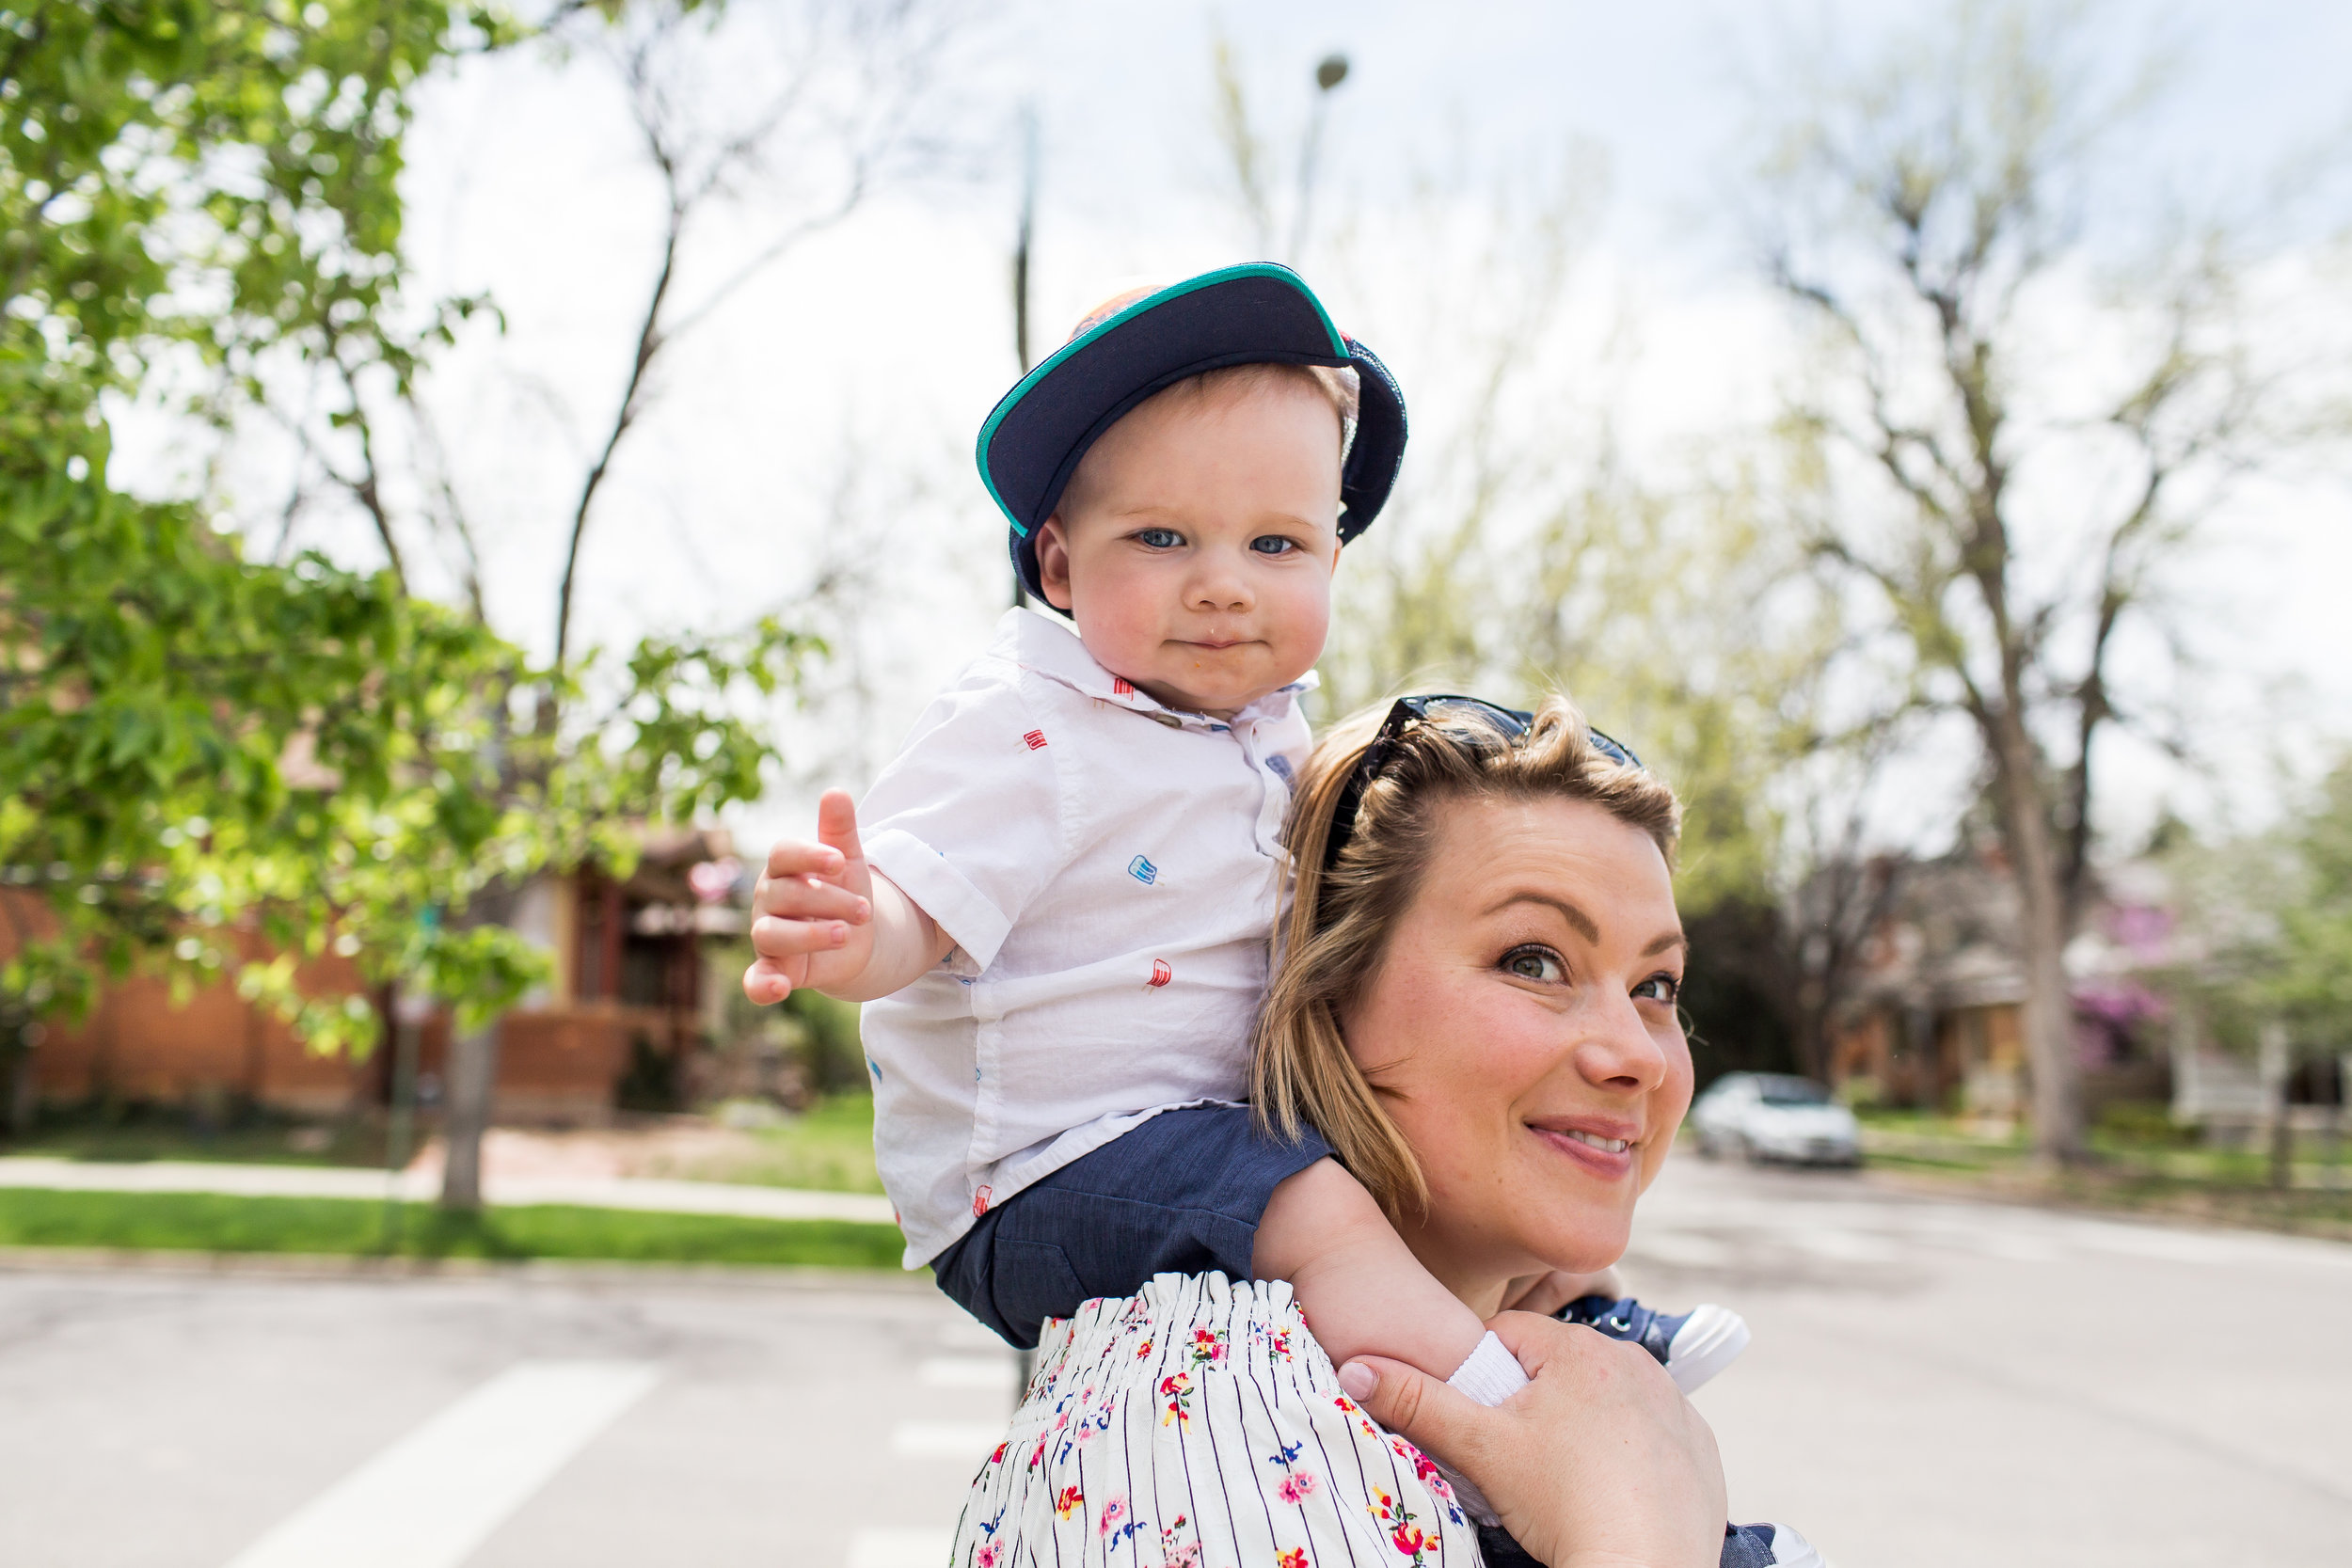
(967,817)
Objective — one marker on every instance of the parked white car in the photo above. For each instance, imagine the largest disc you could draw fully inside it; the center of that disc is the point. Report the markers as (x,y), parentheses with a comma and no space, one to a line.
(1772,1115)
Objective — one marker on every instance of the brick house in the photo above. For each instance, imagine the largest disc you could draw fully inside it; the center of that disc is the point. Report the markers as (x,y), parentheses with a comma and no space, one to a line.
(613,1027)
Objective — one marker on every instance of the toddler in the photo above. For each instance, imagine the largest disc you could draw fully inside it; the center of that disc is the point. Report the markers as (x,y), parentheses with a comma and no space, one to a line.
(1060,911)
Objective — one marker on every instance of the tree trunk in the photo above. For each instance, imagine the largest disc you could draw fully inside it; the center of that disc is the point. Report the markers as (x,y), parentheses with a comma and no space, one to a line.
(471,1073)
(473,1078)
(2274,1064)
(2049,1012)
(24,1091)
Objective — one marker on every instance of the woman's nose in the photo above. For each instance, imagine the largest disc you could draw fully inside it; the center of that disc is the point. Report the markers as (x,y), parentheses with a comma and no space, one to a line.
(1618,1050)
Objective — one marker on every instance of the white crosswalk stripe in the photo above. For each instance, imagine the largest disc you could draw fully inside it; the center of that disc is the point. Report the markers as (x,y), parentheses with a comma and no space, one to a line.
(436,1495)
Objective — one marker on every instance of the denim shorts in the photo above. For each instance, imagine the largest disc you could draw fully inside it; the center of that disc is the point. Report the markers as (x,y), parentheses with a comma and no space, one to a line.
(1179,1193)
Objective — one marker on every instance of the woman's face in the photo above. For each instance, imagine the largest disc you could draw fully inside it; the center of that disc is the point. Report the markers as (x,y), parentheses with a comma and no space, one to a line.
(1522,1028)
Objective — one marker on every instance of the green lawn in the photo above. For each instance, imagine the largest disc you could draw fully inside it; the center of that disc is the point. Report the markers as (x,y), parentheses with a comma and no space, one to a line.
(2138,1161)
(200,1222)
(829,1148)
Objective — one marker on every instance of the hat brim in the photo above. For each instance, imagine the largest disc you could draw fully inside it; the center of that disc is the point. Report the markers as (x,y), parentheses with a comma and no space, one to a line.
(1258,313)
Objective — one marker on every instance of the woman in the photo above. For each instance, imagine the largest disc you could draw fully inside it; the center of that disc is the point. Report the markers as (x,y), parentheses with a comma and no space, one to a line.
(1477,1010)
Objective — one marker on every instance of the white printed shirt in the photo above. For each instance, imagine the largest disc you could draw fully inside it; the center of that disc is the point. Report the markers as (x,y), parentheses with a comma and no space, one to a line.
(1109,870)
(1197,1424)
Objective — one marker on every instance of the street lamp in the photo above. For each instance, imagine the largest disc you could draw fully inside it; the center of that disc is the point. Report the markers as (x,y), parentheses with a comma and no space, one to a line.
(1330,72)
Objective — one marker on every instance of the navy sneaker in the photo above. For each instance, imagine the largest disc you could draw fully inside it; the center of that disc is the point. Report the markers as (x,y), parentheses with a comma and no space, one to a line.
(1693,1347)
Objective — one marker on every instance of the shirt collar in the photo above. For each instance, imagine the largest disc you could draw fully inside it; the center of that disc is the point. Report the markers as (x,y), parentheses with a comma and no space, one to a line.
(1049,646)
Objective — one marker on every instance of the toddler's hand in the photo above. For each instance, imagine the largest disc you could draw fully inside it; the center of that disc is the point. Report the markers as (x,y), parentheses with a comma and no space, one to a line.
(812,911)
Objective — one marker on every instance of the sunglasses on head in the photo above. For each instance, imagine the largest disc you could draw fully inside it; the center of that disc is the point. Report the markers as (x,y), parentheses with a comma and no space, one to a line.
(1509,725)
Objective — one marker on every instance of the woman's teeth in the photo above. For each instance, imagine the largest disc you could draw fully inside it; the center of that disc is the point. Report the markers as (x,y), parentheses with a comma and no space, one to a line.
(1612,1145)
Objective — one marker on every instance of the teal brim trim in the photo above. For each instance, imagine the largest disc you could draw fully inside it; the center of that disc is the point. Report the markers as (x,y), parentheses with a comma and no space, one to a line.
(1174,291)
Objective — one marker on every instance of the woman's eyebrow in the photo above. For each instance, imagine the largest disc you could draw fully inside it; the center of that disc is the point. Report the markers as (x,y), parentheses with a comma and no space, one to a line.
(1583,924)
(1578,919)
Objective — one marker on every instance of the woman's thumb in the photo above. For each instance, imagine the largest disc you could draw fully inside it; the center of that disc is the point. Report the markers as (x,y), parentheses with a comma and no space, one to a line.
(1406,1400)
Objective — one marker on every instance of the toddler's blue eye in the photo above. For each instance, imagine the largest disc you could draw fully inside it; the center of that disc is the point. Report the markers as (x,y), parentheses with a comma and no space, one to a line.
(1158,538)
(1273,544)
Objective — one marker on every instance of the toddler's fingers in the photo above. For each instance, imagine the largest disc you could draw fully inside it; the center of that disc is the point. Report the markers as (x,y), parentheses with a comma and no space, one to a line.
(765,984)
(777,938)
(796,857)
(810,899)
(837,822)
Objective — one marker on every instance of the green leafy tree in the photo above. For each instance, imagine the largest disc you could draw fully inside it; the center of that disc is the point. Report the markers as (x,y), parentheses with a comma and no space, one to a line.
(2268,923)
(192,742)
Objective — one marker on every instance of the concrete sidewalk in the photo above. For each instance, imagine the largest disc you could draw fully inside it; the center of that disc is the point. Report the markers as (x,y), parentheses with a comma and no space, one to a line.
(651,1195)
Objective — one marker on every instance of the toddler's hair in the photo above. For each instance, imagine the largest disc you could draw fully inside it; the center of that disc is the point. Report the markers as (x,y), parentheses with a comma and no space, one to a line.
(1336,932)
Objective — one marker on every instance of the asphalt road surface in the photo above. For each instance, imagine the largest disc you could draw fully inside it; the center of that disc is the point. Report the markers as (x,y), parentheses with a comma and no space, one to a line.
(1931,1383)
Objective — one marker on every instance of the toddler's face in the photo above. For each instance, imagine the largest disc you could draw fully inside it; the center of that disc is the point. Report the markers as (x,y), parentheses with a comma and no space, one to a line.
(1196,543)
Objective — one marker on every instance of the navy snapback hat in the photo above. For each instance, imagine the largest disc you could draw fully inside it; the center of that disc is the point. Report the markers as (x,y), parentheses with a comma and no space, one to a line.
(1247,315)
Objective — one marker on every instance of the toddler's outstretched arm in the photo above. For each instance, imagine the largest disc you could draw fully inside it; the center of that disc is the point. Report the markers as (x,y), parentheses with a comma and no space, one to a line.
(824,919)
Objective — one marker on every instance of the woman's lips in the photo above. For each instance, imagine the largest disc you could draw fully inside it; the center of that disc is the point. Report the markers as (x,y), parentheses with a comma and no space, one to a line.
(1606,1151)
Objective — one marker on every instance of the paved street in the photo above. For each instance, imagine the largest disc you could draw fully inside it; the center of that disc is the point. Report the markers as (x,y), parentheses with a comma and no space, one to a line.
(1932,1383)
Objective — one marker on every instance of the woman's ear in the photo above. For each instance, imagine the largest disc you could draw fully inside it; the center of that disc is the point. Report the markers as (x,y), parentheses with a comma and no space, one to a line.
(1053,562)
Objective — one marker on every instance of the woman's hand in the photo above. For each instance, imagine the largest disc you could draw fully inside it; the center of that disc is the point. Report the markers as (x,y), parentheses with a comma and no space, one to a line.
(1599,1462)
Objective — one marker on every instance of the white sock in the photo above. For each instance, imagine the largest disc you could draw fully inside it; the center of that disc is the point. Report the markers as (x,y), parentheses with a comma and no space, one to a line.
(1490,1375)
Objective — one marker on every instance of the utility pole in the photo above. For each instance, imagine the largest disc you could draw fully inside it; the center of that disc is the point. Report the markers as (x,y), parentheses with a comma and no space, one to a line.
(1021,273)
(1330,73)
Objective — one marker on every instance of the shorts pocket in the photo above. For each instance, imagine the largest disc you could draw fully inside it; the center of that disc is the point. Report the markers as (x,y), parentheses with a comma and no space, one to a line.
(1034,1282)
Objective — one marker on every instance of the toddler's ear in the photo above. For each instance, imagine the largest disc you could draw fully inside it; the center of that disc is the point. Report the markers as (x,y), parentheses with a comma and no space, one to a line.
(1053,562)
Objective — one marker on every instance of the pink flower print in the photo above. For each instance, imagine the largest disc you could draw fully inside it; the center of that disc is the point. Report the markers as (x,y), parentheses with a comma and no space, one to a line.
(1295,1558)
(1177,1389)
(999,1457)
(1143,1349)
(1086,1433)
(1207,1347)
(1297,1487)
(1424,1467)
(1036,1455)
(1067,1502)
(1113,1511)
(988,1556)
(1410,1539)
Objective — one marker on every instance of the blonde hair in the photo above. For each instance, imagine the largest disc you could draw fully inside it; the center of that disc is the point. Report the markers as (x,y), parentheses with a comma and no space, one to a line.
(1340,913)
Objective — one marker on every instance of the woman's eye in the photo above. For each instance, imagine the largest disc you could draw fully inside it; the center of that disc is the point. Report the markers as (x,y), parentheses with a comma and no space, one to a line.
(1536,963)
(1273,544)
(1659,987)
(1159,538)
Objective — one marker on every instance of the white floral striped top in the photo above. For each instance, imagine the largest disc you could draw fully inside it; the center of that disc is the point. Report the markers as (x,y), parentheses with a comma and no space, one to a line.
(1197,1424)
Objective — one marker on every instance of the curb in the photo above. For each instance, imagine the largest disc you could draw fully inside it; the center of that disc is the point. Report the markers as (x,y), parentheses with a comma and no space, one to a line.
(553,1271)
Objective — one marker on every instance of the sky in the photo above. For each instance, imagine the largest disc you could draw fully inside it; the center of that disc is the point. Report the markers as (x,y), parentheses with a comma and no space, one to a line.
(823,417)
